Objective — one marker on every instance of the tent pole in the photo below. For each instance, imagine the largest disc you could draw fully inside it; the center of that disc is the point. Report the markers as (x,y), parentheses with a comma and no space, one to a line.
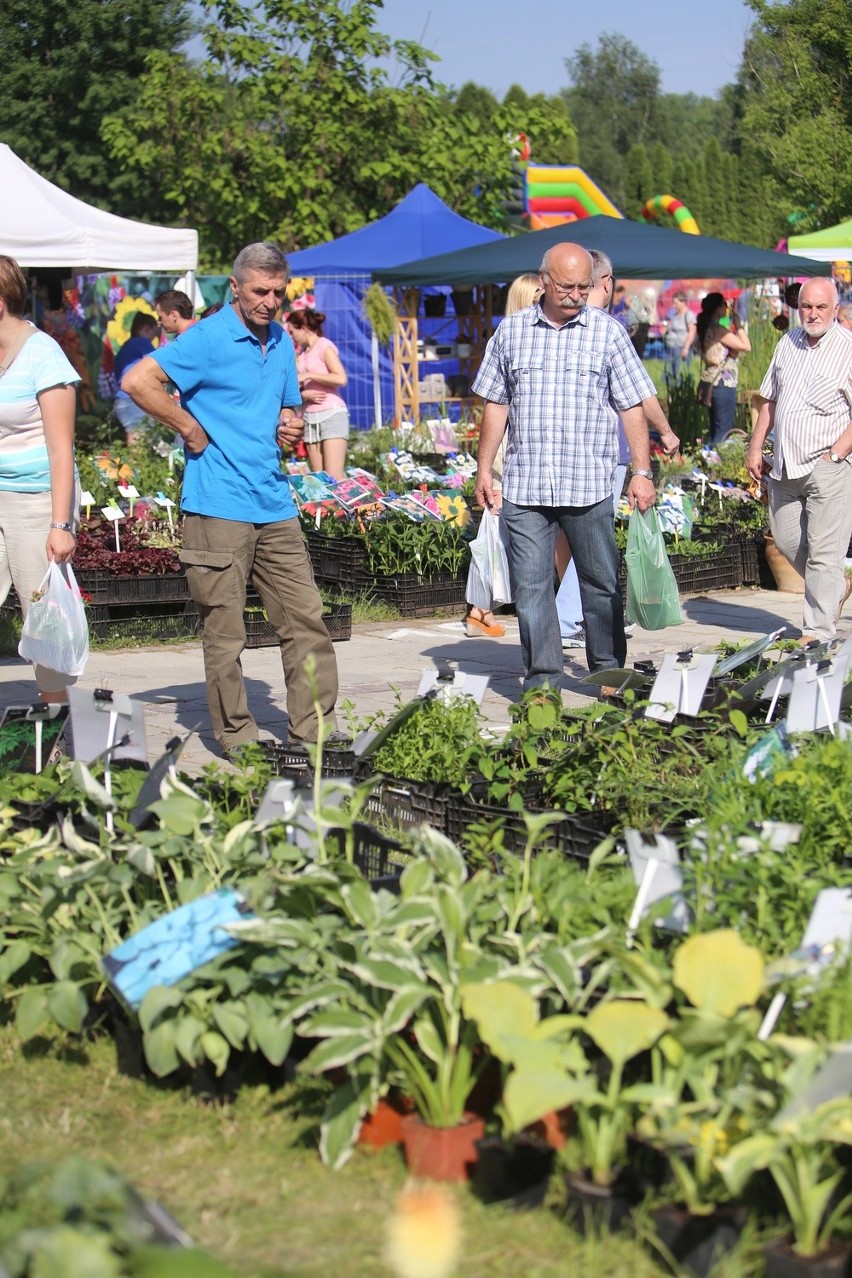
(377,383)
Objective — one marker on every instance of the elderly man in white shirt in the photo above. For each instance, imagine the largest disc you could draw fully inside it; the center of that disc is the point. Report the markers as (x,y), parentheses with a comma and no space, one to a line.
(806,399)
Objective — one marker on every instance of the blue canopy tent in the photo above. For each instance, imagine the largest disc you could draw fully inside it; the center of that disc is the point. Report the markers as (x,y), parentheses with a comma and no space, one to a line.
(420,226)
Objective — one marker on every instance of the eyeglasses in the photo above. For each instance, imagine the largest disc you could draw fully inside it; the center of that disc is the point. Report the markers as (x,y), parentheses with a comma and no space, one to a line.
(564,289)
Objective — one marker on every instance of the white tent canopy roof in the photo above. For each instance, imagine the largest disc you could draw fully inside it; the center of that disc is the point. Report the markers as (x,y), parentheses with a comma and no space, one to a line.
(41,225)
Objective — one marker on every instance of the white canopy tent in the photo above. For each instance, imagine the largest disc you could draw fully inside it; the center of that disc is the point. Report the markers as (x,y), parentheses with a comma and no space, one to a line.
(41,225)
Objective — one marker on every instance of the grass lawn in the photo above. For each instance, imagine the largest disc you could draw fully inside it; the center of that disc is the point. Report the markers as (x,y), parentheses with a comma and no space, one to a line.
(245,1180)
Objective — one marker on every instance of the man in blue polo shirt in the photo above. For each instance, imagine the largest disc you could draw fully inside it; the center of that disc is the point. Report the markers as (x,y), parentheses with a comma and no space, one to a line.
(236,374)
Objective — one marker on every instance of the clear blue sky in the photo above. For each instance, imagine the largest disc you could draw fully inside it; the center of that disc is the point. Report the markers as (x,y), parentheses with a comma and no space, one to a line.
(497,43)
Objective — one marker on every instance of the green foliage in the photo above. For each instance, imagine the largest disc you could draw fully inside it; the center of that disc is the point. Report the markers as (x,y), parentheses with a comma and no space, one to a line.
(396,545)
(797,85)
(71,65)
(612,101)
(381,313)
(80,1219)
(249,163)
(434,743)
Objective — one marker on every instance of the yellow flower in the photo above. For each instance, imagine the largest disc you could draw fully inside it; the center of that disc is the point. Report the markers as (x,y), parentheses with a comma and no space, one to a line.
(424,1233)
(118,329)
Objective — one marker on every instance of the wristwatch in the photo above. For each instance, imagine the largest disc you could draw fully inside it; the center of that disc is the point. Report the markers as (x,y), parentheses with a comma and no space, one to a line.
(835,457)
(643,474)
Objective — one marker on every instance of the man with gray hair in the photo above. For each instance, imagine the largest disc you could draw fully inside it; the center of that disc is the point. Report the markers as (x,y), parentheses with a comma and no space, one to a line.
(568,604)
(806,400)
(239,401)
(552,375)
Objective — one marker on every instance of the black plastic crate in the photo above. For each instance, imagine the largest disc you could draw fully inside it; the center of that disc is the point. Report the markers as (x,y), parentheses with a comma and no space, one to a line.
(376,855)
(749,560)
(339,561)
(105,588)
(403,803)
(415,596)
(722,570)
(152,624)
(294,761)
(576,836)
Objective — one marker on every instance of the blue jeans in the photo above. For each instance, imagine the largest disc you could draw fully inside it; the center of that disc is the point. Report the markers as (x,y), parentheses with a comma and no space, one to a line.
(674,359)
(569,608)
(722,408)
(591,536)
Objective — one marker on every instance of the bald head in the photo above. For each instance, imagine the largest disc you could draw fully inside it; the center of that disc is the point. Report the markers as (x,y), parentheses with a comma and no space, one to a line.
(566,278)
(817,307)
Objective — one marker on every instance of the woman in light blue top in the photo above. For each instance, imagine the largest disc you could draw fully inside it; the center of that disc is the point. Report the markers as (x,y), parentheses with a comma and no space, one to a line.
(38,506)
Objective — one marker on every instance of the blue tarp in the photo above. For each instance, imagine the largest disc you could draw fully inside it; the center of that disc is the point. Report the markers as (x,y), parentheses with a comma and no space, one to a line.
(421,225)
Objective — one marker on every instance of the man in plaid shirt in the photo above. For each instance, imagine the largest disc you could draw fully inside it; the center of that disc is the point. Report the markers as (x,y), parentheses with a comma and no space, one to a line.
(558,375)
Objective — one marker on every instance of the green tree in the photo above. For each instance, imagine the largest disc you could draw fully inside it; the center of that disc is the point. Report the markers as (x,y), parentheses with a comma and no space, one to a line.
(638,181)
(797,80)
(68,65)
(473,99)
(612,101)
(661,171)
(290,129)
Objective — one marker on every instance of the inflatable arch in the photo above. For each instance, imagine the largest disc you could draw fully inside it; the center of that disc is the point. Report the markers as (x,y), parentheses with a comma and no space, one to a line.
(562,193)
(675,208)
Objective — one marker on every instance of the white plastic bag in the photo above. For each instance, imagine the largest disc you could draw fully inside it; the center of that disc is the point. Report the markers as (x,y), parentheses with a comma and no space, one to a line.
(56,633)
(490,559)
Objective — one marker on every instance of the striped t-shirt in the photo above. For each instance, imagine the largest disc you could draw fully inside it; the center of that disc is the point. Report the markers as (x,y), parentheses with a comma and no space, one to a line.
(811,387)
(39,365)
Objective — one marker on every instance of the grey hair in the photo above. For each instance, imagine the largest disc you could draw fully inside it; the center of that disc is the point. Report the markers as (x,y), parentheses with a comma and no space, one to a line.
(817,279)
(260,257)
(846,311)
(601,265)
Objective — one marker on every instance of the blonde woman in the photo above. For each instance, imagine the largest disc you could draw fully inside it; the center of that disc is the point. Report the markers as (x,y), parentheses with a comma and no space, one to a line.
(480,619)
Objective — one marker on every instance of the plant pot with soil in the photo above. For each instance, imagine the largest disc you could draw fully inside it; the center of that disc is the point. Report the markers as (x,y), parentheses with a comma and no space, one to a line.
(515,1171)
(786,576)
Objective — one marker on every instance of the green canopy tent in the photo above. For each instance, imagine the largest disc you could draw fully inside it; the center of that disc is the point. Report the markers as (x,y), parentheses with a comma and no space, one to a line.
(833,244)
(637,251)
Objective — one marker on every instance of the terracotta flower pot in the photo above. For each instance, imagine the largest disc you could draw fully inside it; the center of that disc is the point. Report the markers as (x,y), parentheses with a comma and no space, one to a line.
(786,576)
(441,1153)
(384,1126)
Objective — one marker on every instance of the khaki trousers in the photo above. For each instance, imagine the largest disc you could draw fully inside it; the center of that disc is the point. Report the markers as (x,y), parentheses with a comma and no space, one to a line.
(811,521)
(221,556)
(24,523)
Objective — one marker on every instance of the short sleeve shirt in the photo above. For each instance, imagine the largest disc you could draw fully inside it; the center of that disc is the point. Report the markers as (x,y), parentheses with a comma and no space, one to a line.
(235,391)
(565,388)
(811,387)
(40,365)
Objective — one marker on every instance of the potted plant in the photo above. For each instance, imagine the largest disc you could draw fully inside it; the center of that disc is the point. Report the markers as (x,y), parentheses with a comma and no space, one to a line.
(799,1150)
(620,1029)
(542,1067)
(389,1013)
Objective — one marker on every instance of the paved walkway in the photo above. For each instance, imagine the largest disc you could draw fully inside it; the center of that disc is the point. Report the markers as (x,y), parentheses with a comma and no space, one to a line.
(384,658)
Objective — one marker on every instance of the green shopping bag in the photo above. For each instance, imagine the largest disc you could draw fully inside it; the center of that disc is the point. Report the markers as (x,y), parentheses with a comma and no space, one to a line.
(653,599)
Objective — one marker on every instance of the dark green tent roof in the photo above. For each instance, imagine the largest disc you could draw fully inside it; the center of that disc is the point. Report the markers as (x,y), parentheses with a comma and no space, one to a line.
(638,252)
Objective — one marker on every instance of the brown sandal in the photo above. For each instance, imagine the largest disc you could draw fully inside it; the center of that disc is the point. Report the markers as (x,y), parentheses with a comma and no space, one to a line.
(479,626)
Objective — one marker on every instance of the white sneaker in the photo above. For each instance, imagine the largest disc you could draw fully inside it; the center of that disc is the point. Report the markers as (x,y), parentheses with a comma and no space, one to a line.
(573,641)
(629,627)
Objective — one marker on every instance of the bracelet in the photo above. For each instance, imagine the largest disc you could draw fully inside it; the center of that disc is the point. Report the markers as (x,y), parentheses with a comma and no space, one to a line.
(64,528)
(643,474)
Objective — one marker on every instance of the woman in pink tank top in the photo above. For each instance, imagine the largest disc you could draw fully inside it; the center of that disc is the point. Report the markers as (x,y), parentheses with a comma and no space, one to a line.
(320,373)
